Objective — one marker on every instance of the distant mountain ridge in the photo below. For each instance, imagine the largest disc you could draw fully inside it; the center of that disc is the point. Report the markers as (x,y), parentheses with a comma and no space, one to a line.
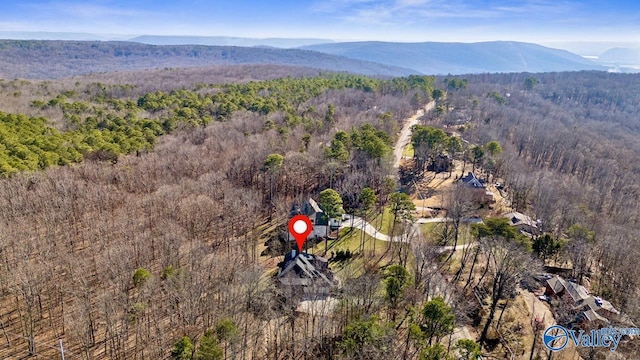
(462,58)
(621,56)
(227,41)
(36,59)
(43,59)
(284,43)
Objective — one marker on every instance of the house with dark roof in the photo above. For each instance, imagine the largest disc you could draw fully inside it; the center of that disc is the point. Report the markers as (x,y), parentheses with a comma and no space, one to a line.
(322,224)
(480,192)
(523,223)
(590,310)
(311,208)
(306,276)
(472,181)
(595,308)
(559,287)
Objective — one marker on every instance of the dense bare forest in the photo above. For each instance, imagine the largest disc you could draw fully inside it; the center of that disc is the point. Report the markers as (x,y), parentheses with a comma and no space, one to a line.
(135,207)
(123,257)
(570,145)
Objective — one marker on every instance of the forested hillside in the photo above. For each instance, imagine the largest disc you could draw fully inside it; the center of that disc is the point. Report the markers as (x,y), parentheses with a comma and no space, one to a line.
(135,208)
(571,146)
(96,124)
(32,59)
(121,256)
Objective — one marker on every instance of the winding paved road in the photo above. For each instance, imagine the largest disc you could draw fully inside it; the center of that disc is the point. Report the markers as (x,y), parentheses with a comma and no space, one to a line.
(405,133)
(351,221)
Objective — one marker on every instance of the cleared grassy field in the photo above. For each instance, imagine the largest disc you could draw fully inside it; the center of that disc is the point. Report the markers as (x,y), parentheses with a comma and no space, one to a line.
(432,231)
(407,152)
(350,239)
(384,222)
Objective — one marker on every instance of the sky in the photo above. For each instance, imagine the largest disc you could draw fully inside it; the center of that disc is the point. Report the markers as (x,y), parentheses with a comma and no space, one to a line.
(541,21)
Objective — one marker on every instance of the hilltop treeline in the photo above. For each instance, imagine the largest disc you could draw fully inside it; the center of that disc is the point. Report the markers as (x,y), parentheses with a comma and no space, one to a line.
(40,59)
(106,121)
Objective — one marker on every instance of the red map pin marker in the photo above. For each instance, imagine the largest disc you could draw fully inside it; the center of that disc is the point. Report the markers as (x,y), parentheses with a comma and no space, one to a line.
(299,227)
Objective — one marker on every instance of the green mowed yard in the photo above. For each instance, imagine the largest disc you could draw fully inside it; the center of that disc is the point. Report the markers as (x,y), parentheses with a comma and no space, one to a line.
(435,231)
(407,152)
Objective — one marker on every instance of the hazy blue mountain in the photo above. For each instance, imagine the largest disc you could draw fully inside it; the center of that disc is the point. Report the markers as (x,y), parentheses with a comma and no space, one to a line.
(462,58)
(621,59)
(55,59)
(226,41)
(589,48)
(165,40)
(621,56)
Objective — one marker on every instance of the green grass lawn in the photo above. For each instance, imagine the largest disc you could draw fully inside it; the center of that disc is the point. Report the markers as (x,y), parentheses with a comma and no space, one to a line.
(384,223)
(349,239)
(375,251)
(430,232)
(465,236)
(407,152)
